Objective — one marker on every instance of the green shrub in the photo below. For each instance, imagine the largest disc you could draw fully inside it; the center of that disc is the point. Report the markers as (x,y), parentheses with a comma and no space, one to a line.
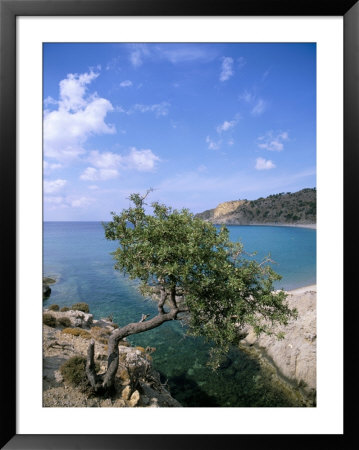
(74,372)
(64,321)
(49,320)
(54,307)
(81,306)
(64,309)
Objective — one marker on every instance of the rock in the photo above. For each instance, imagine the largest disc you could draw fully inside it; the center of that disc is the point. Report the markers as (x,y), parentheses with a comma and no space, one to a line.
(78,319)
(119,403)
(58,377)
(106,403)
(227,208)
(295,355)
(58,347)
(126,393)
(46,291)
(156,395)
(48,280)
(134,399)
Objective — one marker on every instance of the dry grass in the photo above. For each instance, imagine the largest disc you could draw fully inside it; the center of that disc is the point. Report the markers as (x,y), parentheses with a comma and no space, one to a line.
(77,332)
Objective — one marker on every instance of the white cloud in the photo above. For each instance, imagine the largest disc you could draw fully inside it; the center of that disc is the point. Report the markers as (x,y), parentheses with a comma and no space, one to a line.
(241,62)
(258,104)
(184,53)
(265,74)
(273,142)
(226,125)
(93,174)
(259,107)
(136,58)
(93,187)
(78,116)
(80,202)
(142,160)
(106,160)
(126,83)
(213,145)
(160,109)
(108,165)
(49,101)
(264,164)
(227,68)
(48,167)
(58,202)
(247,96)
(73,89)
(174,53)
(230,142)
(53,186)
(137,53)
(53,200)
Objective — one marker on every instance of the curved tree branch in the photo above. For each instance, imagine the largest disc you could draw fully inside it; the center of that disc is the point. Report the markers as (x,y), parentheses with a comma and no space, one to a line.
(113,353)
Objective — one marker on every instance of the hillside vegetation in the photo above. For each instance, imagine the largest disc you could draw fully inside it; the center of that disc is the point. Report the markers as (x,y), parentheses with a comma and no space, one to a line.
(283,208)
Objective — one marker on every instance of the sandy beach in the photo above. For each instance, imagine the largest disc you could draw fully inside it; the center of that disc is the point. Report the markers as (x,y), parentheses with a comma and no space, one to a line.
(303,290)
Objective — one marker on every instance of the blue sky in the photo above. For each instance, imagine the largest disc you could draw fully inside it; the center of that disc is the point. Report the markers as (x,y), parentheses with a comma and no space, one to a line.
(199,123)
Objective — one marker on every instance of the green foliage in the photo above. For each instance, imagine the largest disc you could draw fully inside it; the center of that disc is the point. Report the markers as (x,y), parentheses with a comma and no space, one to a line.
(81,306)
(178,252)
(64,309)
(74,373)
(54,307)
(49,320)
(64,321)
(73,370)
(301,205)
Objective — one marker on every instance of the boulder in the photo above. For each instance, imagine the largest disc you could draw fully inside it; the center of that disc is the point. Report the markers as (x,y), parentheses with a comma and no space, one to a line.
(46,291)
(134,399)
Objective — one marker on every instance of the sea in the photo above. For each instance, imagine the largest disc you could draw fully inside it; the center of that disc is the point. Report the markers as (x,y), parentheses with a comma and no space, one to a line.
(79,257)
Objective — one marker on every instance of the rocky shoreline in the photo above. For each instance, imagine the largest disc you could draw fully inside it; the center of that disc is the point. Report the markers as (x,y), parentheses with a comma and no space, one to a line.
(62,343)
(292,360)
(293,357)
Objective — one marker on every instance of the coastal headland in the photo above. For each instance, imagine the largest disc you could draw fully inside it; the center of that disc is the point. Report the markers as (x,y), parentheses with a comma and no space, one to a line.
(283,209)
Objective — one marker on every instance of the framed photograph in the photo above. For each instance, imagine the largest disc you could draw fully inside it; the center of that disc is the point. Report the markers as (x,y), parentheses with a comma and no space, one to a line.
(181,118)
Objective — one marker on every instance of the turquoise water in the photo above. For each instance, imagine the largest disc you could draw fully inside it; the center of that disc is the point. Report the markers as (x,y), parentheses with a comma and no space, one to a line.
(79,256)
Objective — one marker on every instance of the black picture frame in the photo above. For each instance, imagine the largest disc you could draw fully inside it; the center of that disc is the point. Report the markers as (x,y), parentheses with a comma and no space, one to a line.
(9,10)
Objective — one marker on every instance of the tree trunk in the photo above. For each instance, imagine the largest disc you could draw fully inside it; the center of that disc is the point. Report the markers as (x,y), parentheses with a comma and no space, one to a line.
(108,379)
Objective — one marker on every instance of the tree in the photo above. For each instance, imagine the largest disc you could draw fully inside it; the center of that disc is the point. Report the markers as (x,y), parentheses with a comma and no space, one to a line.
(196,273)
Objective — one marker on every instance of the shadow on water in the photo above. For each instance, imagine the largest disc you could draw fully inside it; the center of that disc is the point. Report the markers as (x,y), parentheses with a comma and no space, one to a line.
(240,382)
(188,392)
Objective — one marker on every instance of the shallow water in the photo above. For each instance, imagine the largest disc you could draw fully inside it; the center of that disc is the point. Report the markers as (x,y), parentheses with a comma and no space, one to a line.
(79,256)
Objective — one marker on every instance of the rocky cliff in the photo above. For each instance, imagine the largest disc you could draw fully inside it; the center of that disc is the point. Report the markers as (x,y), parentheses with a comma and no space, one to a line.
(282,209)
(294,357)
